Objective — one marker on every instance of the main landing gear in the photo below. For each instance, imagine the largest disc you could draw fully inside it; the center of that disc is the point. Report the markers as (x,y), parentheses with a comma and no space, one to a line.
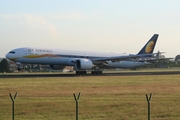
(96,72)
(81,72)
(85,72)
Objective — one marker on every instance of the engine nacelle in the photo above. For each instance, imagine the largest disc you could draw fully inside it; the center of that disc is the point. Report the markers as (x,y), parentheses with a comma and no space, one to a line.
(84,64)
(57,67)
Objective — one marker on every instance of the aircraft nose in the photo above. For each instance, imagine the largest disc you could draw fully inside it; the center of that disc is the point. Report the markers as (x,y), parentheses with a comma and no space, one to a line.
(7,55)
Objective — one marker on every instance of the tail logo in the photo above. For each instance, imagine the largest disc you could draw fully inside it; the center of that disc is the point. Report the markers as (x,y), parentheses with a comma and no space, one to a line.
(149,47)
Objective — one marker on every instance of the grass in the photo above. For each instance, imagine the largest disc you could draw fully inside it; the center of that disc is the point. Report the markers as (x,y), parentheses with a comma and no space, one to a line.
(102,98)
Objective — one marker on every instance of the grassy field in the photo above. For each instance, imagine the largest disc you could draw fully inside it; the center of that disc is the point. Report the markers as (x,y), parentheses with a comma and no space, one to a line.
(102,98)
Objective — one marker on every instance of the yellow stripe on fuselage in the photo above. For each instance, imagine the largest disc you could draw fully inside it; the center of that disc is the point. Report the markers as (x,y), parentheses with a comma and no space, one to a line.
(40,56)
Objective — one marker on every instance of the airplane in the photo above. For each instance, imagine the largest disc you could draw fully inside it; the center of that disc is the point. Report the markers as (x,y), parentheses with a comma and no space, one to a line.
(82,61)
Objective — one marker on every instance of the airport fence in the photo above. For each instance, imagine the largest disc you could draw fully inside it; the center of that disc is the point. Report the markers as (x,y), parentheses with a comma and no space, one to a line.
(76,98)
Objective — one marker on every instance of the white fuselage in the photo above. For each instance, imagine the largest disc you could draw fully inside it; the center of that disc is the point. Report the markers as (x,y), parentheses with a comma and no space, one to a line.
(65,57)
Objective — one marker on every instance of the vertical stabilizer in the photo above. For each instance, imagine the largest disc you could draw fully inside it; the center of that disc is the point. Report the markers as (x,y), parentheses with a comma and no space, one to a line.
(150,45)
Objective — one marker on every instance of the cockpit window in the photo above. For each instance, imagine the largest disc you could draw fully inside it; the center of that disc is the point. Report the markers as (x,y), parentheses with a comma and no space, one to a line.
(12,52)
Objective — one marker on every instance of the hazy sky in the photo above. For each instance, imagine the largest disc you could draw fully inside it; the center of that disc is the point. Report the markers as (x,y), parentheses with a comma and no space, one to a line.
(95,25)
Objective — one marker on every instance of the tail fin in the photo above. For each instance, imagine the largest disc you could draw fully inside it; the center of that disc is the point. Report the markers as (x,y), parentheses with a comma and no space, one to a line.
(150,45)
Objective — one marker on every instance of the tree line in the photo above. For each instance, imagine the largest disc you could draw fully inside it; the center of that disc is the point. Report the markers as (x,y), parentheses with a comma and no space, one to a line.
(4,66)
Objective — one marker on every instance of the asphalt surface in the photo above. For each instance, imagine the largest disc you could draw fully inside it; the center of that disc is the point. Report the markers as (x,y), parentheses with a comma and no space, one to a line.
(134,73)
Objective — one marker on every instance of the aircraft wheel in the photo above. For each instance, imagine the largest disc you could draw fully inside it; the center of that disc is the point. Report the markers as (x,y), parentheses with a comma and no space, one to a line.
(96,72)
(81,72)
(77,72)
(84,72)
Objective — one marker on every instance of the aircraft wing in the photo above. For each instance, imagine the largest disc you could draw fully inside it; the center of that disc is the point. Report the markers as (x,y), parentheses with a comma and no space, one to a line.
(154,59)
(119,58)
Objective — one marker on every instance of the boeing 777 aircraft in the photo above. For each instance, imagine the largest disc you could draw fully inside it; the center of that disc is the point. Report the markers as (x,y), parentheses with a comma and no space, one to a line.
(81,60)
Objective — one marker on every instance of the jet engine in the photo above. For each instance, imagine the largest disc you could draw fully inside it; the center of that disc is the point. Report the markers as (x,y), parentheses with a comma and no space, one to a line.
(84,64)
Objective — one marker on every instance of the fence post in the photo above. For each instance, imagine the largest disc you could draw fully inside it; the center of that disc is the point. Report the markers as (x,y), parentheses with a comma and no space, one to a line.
(13,99)
(149,109)
(76,99)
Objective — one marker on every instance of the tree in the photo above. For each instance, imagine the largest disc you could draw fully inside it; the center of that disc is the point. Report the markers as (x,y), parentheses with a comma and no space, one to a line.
(177,58)
(4,66)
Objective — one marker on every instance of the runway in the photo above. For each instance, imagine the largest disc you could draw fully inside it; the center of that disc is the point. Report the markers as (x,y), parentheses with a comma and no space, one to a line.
(71,74)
